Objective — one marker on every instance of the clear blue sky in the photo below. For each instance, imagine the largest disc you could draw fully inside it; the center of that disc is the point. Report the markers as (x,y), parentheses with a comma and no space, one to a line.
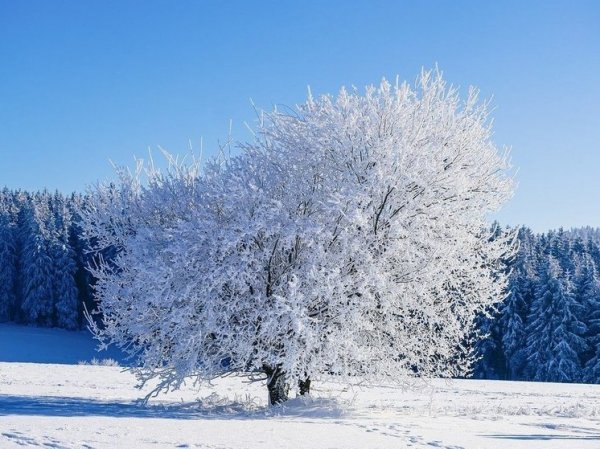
(82,81)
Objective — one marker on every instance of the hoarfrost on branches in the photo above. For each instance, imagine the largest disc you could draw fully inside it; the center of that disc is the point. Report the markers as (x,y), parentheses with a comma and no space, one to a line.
(350,238)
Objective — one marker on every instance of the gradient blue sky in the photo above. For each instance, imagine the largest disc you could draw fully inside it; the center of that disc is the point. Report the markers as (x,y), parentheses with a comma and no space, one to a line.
(82,82)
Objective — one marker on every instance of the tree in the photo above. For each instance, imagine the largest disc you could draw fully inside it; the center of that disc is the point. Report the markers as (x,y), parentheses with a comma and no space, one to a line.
(36,264)
(350,238)
(8,271)
(515,306)
(588,293)
(491,350)
(491,362)
(66,295)
(554,341)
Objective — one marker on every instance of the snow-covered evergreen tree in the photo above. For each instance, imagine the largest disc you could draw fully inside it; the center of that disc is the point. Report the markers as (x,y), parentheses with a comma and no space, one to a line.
(36,267)
(492,358)
(512,324)
(8,261)
(65,291)
(554,332)
(586,234)
(588,293)
(84,280)
(491,363)
(515,307)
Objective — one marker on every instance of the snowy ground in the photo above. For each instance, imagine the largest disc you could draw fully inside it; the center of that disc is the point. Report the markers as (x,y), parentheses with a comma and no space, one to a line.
(76,406)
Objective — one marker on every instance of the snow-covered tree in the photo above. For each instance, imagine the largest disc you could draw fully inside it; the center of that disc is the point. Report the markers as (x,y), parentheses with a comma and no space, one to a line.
(66,295)
(84,280)
(491,363)
(491,351)
(512,321)
(554,331)
(515,308)
(36,265)
(349,238)
(8,261)
(587,287)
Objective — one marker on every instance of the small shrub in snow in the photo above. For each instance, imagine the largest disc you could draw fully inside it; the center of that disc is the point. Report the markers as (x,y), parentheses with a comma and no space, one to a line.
(99,362)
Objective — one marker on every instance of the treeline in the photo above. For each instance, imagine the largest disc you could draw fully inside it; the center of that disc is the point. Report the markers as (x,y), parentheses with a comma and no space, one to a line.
(548,327)
(43,279)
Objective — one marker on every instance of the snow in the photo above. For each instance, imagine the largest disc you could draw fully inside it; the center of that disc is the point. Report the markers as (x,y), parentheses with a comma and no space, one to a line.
(86,406)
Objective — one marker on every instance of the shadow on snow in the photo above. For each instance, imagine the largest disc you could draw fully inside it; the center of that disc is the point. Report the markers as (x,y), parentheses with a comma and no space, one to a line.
(542,437)
(574,433)
(571,433)
(212,407)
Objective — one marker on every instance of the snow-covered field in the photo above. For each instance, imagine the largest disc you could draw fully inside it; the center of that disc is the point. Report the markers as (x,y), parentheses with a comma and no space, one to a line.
(86,406)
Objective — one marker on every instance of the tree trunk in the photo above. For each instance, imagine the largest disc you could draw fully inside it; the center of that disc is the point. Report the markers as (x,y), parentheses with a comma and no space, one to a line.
(277,385)
(304,386)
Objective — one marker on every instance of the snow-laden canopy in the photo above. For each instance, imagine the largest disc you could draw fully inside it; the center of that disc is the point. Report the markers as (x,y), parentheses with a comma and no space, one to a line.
(350,237)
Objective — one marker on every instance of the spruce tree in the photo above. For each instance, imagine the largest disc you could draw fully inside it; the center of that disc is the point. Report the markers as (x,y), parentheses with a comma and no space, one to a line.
(588,290)
(65,268)
(554,340)
(36,266)
(516,305)
(7,265)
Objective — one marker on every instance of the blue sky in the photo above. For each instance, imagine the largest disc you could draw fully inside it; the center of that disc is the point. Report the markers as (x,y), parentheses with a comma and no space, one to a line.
(82,82)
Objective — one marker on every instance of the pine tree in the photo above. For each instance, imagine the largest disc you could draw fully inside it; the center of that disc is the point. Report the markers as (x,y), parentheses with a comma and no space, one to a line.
(491,363)
(513,327)
(554,340)
(65,268)
(515,308)
(84,280)
(8,261)
(36,265)
(588,292)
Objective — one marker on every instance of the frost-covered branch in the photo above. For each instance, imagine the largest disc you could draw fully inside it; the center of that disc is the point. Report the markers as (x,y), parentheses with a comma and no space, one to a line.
(349,238)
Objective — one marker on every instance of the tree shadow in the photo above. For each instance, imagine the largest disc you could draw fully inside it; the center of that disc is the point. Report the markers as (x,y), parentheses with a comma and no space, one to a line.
(571,433)
(541,437)
(72,407)
(212,407)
